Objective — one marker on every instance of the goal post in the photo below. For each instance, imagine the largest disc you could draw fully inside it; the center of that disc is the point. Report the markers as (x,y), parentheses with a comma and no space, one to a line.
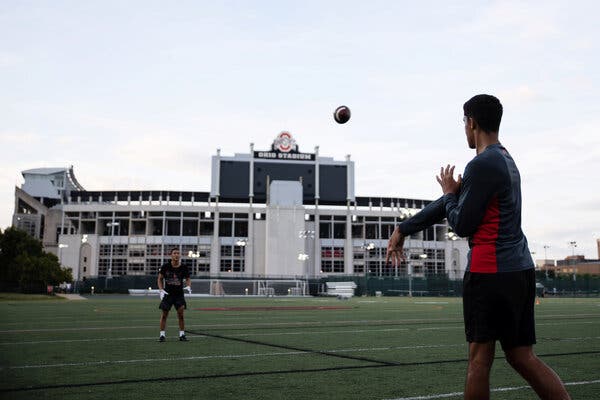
(249,287)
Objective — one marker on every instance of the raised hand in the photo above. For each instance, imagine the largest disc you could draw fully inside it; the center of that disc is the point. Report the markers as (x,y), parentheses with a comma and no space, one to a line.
(446,180)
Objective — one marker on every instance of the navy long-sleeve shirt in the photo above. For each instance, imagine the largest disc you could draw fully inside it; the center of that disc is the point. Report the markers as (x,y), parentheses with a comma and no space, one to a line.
(487,210)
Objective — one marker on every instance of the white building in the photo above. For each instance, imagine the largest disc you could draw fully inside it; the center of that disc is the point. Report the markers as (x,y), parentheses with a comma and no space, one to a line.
(277,213)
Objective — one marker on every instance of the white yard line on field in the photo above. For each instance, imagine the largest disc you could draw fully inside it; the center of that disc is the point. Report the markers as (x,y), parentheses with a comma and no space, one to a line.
(500,389)
(220,356)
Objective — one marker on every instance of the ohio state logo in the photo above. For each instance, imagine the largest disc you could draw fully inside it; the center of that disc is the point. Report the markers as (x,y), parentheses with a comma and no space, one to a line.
(285,143)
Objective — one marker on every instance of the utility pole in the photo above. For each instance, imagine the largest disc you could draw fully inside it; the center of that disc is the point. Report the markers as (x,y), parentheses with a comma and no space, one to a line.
(546,247)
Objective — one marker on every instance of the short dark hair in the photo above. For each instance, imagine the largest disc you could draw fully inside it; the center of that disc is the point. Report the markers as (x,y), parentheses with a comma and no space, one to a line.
(174,249)
(486,110)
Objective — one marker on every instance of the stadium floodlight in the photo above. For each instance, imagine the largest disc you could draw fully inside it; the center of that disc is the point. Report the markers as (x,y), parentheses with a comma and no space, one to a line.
(423,256)
(302,257)
(573,244)
(306,234)
(241,242)
(369,246)
(207,214)
(257,215)
(60,247)
(84,239)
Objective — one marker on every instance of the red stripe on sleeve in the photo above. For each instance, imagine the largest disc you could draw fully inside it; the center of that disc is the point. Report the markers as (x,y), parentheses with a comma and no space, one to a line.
(483,253)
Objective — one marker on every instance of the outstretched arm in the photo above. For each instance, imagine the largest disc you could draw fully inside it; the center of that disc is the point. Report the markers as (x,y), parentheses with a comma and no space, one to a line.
(428,216)
(432,213)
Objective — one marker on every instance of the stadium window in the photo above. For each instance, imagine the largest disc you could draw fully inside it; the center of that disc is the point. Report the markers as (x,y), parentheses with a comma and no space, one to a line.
(153,249)
(104,250)
(156,227)
(338,252)
(339,230)
(138,227)
(357,231)
(226,265)
(238,265)
(173,227)
(338,266)
(190,227)
(123,228)
(226,251)
(239,251)
(225,228)
(371,231)
(429,234)
(241,228)
(206,228)
(326,265)
(325,230)
(203,267)
(387,230)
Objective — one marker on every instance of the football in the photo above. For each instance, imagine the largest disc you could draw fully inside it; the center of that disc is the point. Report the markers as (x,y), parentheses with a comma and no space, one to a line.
(341,114)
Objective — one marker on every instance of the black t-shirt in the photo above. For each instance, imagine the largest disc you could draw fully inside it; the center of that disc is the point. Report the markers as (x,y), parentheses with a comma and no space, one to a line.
(174,278)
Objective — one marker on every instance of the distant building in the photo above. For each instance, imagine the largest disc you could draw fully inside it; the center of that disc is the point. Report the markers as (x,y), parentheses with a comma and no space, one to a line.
(273,213)
(38,204)
(578,265)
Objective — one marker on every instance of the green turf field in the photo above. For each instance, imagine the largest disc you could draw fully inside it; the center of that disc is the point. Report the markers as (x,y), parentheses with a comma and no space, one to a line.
(313,348)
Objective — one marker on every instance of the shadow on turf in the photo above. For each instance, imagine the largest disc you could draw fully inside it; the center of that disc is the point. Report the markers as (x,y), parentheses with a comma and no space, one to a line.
(374,364)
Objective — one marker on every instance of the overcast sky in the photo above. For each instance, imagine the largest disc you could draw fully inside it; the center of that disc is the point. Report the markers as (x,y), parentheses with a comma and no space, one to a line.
(140,94)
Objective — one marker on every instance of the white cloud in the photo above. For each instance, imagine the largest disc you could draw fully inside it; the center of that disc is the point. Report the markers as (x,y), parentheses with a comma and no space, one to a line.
(516,19)
(8,60)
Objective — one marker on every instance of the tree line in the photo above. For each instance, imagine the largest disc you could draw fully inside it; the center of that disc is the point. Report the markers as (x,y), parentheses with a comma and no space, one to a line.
(25,266)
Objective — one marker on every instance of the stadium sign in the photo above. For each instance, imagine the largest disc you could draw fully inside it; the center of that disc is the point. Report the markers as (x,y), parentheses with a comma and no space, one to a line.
(284,147)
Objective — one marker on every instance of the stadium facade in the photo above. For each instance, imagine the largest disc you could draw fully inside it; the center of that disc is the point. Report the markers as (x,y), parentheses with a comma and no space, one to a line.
(278,213)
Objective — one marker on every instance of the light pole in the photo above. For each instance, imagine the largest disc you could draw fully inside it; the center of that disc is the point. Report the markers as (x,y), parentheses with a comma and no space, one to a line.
(453,237)
(573,244)
(546,247)
(60,247)
(366,247)
(304,257)
(110,225)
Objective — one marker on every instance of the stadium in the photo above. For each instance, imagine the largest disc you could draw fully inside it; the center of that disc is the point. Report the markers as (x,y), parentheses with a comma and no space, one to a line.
(278,214)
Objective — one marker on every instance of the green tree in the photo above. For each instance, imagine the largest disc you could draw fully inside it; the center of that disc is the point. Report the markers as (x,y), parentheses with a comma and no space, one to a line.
(25,265)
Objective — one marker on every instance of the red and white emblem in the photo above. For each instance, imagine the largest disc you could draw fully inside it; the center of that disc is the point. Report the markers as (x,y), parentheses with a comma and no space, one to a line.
(285,143)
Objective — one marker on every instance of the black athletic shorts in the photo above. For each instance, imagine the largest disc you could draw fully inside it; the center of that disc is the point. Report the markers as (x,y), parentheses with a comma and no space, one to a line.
(500,307)
(170,300)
